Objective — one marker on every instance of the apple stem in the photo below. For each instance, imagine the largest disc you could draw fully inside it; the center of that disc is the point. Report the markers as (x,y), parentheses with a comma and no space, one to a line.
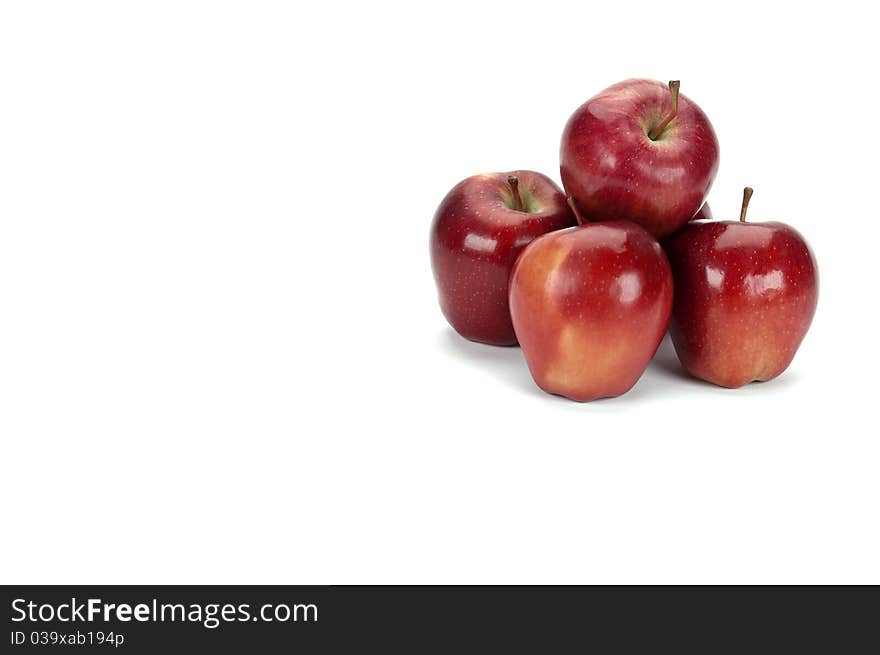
(657,130)
(747,195)
(577,214)
(513,181)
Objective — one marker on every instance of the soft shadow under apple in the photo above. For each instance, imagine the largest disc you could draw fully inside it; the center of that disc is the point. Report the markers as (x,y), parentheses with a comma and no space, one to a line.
(664,376)
(506,362)
(666,361)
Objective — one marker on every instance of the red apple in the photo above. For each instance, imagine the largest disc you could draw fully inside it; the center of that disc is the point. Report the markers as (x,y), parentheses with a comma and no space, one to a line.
(590,305)
(640,152)
(745,294)
(705,213)
(479,230)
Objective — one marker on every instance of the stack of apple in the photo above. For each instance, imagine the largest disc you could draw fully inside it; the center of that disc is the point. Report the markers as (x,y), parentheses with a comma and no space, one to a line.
(588,280)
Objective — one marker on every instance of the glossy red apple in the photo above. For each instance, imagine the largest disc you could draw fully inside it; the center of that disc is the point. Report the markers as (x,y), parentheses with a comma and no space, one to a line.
(479,229)
(640,152)
(745,294)
(590,306)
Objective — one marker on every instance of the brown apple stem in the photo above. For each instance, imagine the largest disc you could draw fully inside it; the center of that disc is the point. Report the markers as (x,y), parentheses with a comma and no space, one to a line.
(577,214)
(513,181)
(657,130)
(747,195)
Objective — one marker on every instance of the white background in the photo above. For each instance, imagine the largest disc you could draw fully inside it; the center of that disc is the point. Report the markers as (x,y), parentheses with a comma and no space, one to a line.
(221,355)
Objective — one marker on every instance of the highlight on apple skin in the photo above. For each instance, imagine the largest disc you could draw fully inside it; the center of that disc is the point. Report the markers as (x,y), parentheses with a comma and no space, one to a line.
(590,305)
(478,231)
(639,151)
(745,295)
(704,214)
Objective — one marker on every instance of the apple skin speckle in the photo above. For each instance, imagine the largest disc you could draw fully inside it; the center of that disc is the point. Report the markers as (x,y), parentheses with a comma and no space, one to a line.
(745,295)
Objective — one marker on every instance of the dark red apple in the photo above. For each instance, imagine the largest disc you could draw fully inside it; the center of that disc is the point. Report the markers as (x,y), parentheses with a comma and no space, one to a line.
(745,294)
(590,306)
(640,152)
(479,229)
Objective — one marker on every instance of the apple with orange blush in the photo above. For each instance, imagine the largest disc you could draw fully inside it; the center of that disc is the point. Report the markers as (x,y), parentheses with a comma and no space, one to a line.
(590,305)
